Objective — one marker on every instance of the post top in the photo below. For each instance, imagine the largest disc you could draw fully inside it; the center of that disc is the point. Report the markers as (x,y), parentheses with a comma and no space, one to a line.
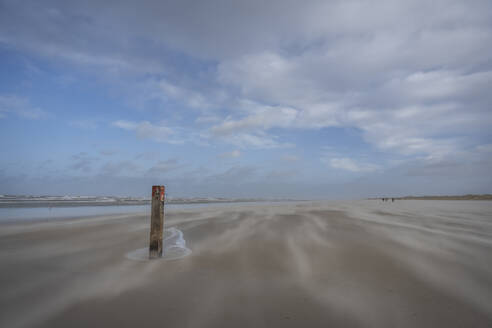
(158,192)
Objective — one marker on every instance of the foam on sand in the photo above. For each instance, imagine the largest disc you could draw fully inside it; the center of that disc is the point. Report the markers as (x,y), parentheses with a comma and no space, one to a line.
(174,247)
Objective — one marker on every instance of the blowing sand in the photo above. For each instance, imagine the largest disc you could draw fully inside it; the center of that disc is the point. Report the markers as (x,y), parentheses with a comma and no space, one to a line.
(338,264)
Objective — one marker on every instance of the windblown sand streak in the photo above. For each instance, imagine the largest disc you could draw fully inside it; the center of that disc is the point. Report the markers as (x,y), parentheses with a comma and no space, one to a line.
(351,264)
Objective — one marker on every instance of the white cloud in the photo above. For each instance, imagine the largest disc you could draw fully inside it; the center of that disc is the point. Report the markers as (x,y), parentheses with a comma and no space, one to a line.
(11,104)
(233,176)
(162,133)
(261,118)
(207,119)
(350,165)
(258,141)
(232,154)
(163,167)
(399,111)
(290,158)
(252,129)
(108,152)
(125,167)
(126,125)
(84,124)
(147,130)
(191,98)
(486,148)
(82,162)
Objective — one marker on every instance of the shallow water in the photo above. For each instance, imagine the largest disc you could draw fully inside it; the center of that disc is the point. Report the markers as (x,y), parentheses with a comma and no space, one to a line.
(174,247)
(36,213)
(17,214)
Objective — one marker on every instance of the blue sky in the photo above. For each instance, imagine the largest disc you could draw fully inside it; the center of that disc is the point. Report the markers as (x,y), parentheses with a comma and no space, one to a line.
(319,99)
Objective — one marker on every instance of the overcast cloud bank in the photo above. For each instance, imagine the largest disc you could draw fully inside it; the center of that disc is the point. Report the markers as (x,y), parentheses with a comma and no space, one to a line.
(365,97)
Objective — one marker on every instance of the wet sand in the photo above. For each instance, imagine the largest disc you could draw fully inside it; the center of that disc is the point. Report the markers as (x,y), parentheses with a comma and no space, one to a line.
(339,264)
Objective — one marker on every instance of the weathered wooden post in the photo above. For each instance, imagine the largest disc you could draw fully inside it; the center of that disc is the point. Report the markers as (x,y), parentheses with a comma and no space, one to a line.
(156,222)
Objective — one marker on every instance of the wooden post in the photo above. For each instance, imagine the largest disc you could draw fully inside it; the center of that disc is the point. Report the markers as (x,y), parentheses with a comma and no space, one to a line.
(156,222)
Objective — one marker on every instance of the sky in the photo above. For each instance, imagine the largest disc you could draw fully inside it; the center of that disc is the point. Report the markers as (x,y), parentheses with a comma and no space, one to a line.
(264,99)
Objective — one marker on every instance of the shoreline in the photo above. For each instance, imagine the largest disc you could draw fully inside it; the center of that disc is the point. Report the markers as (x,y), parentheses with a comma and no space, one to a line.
(61,203)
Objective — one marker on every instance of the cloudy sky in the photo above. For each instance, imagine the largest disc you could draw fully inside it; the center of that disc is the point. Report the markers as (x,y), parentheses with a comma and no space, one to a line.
(303,99)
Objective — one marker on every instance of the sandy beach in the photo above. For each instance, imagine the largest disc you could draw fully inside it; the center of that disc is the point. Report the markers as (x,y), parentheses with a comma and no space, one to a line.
(314,264)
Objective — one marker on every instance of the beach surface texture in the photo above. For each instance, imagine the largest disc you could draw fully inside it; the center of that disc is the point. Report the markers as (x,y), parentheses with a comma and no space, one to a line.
(367,263)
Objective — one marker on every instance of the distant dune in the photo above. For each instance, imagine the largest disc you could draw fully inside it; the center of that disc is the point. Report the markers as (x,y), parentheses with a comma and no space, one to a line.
(459,197)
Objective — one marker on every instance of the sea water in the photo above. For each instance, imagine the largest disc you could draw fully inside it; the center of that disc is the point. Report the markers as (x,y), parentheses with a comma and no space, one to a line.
(173,247)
